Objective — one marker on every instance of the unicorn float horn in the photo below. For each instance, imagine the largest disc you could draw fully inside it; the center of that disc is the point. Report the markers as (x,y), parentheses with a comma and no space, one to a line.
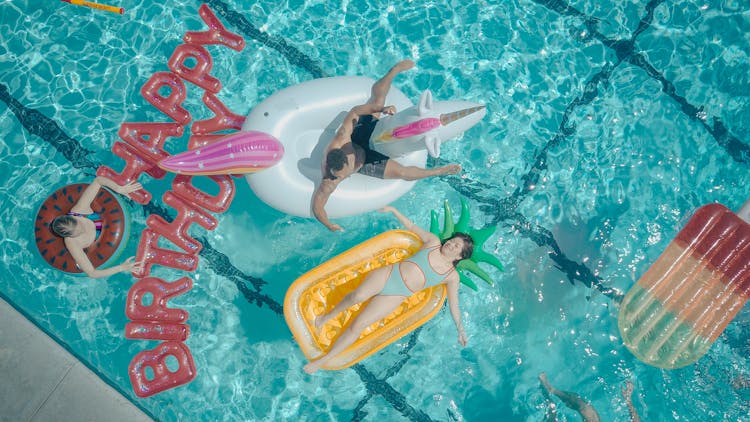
(425,126)
(447,118)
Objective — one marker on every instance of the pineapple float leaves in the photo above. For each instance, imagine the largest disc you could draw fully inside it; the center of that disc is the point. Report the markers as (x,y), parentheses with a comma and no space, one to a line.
(480,236)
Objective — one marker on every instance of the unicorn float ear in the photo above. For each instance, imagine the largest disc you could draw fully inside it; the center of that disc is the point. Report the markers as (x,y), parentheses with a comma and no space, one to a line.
(433,145)
(425,103)
(425,126)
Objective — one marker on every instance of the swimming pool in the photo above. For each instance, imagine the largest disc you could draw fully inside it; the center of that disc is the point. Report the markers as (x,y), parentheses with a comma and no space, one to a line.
(607,125)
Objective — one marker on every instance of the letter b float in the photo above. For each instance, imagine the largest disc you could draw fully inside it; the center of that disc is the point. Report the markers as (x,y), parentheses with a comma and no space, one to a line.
(162,377)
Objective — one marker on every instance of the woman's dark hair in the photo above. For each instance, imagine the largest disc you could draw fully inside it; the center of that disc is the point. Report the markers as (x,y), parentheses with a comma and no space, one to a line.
(335,161)
(468,248)
(63,225)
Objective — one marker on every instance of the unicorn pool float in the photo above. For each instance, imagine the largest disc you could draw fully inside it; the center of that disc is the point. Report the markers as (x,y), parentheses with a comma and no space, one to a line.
(305,118)
(285,136)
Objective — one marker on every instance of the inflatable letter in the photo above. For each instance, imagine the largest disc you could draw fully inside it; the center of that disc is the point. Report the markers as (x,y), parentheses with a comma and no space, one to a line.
(199,74)
(162,378)
(171,104)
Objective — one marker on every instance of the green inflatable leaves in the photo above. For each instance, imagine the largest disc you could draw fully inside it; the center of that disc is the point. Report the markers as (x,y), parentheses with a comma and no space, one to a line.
(480,236)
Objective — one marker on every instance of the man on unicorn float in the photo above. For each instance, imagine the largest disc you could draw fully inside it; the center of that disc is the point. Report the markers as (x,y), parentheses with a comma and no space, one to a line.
(349,151)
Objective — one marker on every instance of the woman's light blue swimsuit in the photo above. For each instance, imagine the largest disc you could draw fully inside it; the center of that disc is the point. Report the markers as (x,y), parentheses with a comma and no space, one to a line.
(395,285)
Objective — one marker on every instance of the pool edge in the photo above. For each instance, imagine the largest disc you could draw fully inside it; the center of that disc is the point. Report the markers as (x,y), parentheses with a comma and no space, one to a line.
(67,377)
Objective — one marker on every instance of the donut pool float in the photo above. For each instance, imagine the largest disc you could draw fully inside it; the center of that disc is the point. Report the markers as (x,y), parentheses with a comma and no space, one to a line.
(106,248)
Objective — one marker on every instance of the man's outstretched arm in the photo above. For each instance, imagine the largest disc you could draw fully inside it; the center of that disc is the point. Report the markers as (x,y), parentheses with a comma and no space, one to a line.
(319,200)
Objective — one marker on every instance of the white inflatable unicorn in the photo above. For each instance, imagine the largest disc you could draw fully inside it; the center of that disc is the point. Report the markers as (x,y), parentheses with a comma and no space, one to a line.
(304,118)
(424,126)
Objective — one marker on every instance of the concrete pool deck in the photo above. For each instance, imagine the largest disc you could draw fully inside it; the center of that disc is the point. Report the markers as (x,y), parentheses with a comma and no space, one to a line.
(41,381)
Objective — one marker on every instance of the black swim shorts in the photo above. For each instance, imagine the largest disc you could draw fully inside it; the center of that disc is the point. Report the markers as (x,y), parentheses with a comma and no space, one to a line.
(374,165)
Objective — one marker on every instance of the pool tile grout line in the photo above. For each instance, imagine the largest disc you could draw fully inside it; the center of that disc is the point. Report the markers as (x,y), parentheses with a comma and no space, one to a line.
(222,265)
(373,387)
(626,51)
(389,393)
(291,53)
(42,126)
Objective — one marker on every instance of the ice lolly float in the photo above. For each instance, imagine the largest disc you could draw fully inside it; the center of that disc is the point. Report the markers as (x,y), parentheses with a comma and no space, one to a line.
(678,308)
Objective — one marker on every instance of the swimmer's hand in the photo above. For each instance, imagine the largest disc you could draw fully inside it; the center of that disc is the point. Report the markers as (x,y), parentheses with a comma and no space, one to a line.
(387,208)
(128,188)
(131,266)
(389,110)
(462,340)
(334,227)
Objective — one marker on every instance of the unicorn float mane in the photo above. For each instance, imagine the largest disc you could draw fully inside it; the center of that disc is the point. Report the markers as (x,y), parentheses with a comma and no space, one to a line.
(425,126)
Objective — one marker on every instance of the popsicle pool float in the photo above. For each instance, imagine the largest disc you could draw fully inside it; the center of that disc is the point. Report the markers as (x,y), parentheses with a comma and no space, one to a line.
(678,308)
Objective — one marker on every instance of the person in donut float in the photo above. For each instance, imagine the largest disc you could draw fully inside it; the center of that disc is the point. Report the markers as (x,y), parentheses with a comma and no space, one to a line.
(81,226)
(387,287)
(349,151)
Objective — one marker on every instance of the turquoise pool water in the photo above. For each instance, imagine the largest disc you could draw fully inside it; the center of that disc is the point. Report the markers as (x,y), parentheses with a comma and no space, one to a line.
(608,124)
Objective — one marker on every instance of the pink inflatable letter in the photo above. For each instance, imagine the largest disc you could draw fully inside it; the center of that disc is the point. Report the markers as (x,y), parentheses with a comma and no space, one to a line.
(216,34)
(163,377)
(199,75)
(171,105)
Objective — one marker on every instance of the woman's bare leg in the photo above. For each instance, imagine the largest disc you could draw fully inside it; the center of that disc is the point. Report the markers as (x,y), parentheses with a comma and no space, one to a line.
(372,284)
(627,394)
(378,308)
(394,170)
(571,400)
(383,85)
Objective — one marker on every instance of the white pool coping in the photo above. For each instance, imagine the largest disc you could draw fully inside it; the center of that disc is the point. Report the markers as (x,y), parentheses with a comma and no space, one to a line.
(41,381)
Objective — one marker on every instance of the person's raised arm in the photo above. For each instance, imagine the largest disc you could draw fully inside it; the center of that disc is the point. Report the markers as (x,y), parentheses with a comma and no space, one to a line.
(344,133)
(83,205)
(342,137)
(124,190)
(370,108)
(452,287)
(428,238)
(319,200)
